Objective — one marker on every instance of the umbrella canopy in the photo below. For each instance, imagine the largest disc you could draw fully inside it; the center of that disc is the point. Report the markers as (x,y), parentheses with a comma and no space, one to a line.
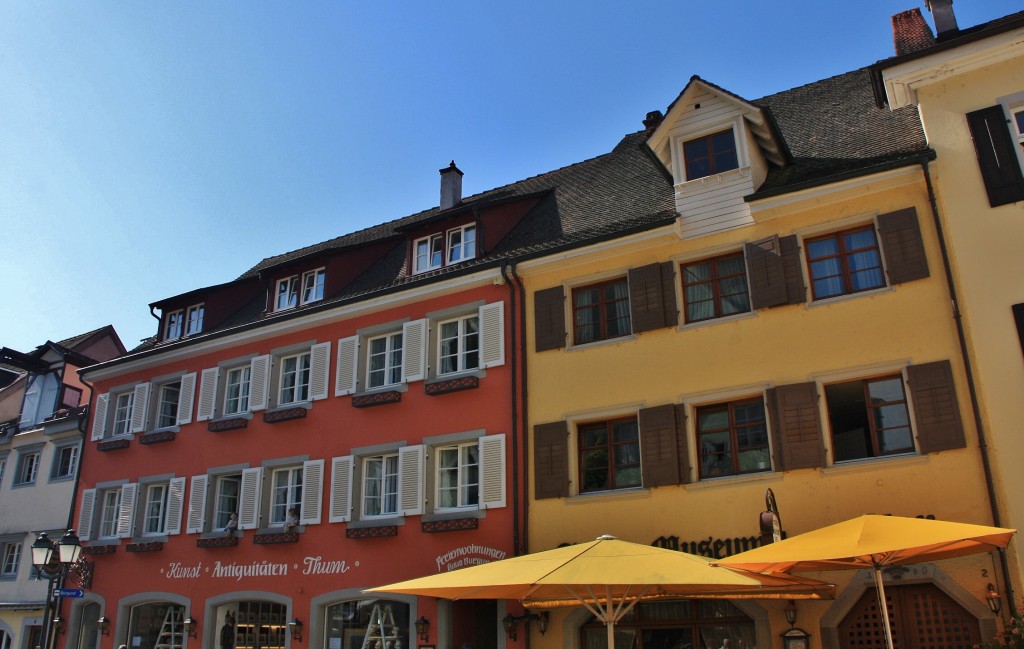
(873,542)
(609,577)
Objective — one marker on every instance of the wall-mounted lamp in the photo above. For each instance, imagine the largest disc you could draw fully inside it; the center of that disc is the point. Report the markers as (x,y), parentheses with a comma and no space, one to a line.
(58,624)
(511,621)
(296,628)
(993,599)
(422,628)
(104,625)
(190,627)
(791,612)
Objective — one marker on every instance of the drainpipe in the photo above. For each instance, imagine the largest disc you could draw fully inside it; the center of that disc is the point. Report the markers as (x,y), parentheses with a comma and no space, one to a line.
(81,456)
(971,385)
(515,407)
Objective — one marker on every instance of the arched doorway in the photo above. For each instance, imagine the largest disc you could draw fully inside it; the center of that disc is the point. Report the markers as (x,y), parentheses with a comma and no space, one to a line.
(922,616)
(156,625)
(378,623)
(685,624)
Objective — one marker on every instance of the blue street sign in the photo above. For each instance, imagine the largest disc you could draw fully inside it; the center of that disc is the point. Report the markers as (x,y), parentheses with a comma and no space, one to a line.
(70,592)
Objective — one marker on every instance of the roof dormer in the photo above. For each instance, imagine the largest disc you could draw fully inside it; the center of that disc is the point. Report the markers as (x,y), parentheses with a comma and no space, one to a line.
(718,148)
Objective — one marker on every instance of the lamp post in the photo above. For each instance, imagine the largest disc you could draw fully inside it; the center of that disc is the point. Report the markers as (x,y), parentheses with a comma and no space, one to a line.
(52,560)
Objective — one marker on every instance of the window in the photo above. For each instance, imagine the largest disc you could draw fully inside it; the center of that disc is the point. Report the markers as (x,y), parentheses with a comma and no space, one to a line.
(459,345)
(159,623)
(601,311)
(458,475)
(194,319)
(384,361)
(869,418)
(609,454)
(428,253)
(110,507)
(715,288)
(167,404)
(236,390)
(123,413)
(226,499)
(40,400)
(65,462)
(10,558)
(294,386)
(286,495)
(996,146)
(155,513)
(710,154)
(28,468)
(844,262)
(287,293)
(461,244)
(346,623)
(313,286)
(380,485)
(288,289)
(173,323)
(732,438)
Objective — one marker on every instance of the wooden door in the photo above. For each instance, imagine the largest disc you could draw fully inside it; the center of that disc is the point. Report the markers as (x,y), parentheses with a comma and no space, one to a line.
(922,616)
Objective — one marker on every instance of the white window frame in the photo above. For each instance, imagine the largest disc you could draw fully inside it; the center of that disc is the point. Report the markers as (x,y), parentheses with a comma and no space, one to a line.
(465,249)
(460,337)
(174,324)
(286,496)
(219,483)
(162,390)
(391,364)
(313,280)
(388,475)
(72,450)
(157,494)
(424,262)
(10,559)
(739,134)
(109,512)
(242,398)
(462,481)
(121,424)
(194,319)
(27,471)
(301,377)
(286,293)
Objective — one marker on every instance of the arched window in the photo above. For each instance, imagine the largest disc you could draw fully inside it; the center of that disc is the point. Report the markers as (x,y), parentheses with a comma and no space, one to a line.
(688,624)
(157,625)
(256,624)
(370,623)
(88,626)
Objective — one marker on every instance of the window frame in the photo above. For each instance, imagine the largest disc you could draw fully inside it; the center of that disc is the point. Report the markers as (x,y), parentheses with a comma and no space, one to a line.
(461,484)
(297,386)
(113,508)
(462,245)
(318,276)
(174,324)
(714,280)
(10,559)
(732,429)
(462,353)
(865,381)
(391,364)
(160,402)
(292,490)
(386,479)
(127,398)
(220,480)
(162,503)
(243,396)
(195,315)
(75,451)
(430,240)
(610,468)
(28,463)
(290,294)
(843,255)
(601,306)
(712,156)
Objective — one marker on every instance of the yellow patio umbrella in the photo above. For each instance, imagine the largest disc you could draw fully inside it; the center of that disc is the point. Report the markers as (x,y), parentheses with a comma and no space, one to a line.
(872,542)
(608,577)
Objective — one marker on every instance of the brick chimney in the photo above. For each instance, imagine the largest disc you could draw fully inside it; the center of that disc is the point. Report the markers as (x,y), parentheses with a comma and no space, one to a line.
(451,186)
(910,32)
(653,120)
(942,14)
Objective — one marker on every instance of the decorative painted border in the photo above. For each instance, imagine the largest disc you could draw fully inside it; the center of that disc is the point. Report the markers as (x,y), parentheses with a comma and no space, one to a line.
(453,525)
(371,532)
(452,385)
(151,546)
(156,438)
(280,537)
(217,542)
(376,399)
(220,425)
(113,444)
(284,415)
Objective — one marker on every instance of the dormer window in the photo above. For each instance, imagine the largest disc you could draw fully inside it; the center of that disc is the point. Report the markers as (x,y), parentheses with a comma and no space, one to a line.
(710,154)
(194,319)
(454,246)
(184,322)
(173,324)
(287,293)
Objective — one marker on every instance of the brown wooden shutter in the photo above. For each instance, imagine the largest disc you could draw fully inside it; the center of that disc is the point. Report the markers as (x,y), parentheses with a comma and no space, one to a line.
(997,155)
(551,460)
(659,446)
(773,271)
(549,318)
(1018,317)
(905,259)
(796,426)
(652,297)
(936,410)
(685,471)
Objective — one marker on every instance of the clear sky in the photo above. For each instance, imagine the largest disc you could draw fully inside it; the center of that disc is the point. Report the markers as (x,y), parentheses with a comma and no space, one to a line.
(151,148)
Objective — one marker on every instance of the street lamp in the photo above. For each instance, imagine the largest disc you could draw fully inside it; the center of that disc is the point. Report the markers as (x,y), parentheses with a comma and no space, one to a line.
(52,560)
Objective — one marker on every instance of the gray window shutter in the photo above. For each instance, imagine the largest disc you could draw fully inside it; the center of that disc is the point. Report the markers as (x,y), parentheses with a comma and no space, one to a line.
(186,398)
(792,272)
(936,411)
(551,460)
(85,514)
(140,407)
(685,471)
(902,245)
(997,155)
(796,426)
(175,505)
(652,297)
(207,394)
(492,471)
(196,521)
(492,334)
(99,417)
(414,350)
(312,491)
(345,378)
(410,480)
(549,318)
(659,446)
(126,515)
(341,489)
(259,382)
(319,370)
(773,272)
(249,499)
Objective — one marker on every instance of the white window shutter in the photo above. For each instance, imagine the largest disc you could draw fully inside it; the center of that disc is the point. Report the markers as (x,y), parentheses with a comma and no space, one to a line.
(312,491)
(319,370)
(249,499)
(492,471)
(126,515)
(140,406)
(492,334)
(175,504)
(99,417)
(345,380)
(414,350)
(259,383)
(207,394)
(410,480)
(341,489)
(197,505)
(186,398)
(85,514)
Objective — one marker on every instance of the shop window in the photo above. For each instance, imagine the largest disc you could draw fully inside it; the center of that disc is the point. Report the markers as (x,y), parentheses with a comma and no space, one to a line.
(88,626)
(690,623)
(159,625)
(732,438)
(869,418)
(259,625)
(609,454)
(378,623)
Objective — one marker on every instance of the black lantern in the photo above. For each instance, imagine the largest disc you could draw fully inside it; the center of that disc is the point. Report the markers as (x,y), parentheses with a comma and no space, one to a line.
(104,624)
(791,613)
(995,604)
(190,626)
(296,628)
(422,628)
(509,622)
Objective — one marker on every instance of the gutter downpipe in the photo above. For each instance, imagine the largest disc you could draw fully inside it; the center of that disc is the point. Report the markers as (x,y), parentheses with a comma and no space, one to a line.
(971,386)
(515,285)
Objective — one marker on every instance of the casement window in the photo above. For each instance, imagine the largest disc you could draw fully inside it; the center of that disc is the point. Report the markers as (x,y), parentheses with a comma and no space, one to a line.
(174,324)
(380,485)
(294,379)
(40,400)
(131,411)
(458,476)
(65,462)
(122,413)
(609,454)
(110,511)
(428,253)
(710,154)
(194,319)
(732,438)
(868,418)
(715,288)
(10,556)
(313,285)
(601,311)
(458,343)
(1018,319)
(227,489)
(997,148)
(287,293)
(236,390)
(285,494)
(461,244)
(390,484)
(844,262)
(154,515)
(221,495)
(384,360)
(28,467)
(293,291)
(168,399)
(3,468)
(451,247)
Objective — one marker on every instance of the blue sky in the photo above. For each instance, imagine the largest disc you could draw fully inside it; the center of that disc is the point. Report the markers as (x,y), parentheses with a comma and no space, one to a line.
(150,148)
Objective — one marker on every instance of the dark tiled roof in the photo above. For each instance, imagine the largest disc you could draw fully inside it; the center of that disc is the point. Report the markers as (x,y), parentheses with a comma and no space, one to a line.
(74,341)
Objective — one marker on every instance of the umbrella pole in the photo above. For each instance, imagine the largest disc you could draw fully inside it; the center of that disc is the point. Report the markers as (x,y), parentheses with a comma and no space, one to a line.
(884,606)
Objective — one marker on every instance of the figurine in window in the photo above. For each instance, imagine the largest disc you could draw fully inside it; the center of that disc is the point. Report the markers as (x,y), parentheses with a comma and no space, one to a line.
(232,526)
(292,521)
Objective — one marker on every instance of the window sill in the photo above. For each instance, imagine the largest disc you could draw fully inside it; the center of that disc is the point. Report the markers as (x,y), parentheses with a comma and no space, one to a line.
(370,399)
(602,343)
(697,184)
(874,463)
(715,321)
(612,494)
(114,444)
(835,299)
(287,413)
(157,437)
(732,480)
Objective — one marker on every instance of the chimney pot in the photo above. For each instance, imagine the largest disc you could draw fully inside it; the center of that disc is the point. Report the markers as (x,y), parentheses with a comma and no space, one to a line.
(451,186)
(653,120)
(942,14)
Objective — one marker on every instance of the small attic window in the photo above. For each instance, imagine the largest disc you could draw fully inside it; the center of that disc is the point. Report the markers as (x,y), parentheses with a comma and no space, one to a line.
(710,154)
